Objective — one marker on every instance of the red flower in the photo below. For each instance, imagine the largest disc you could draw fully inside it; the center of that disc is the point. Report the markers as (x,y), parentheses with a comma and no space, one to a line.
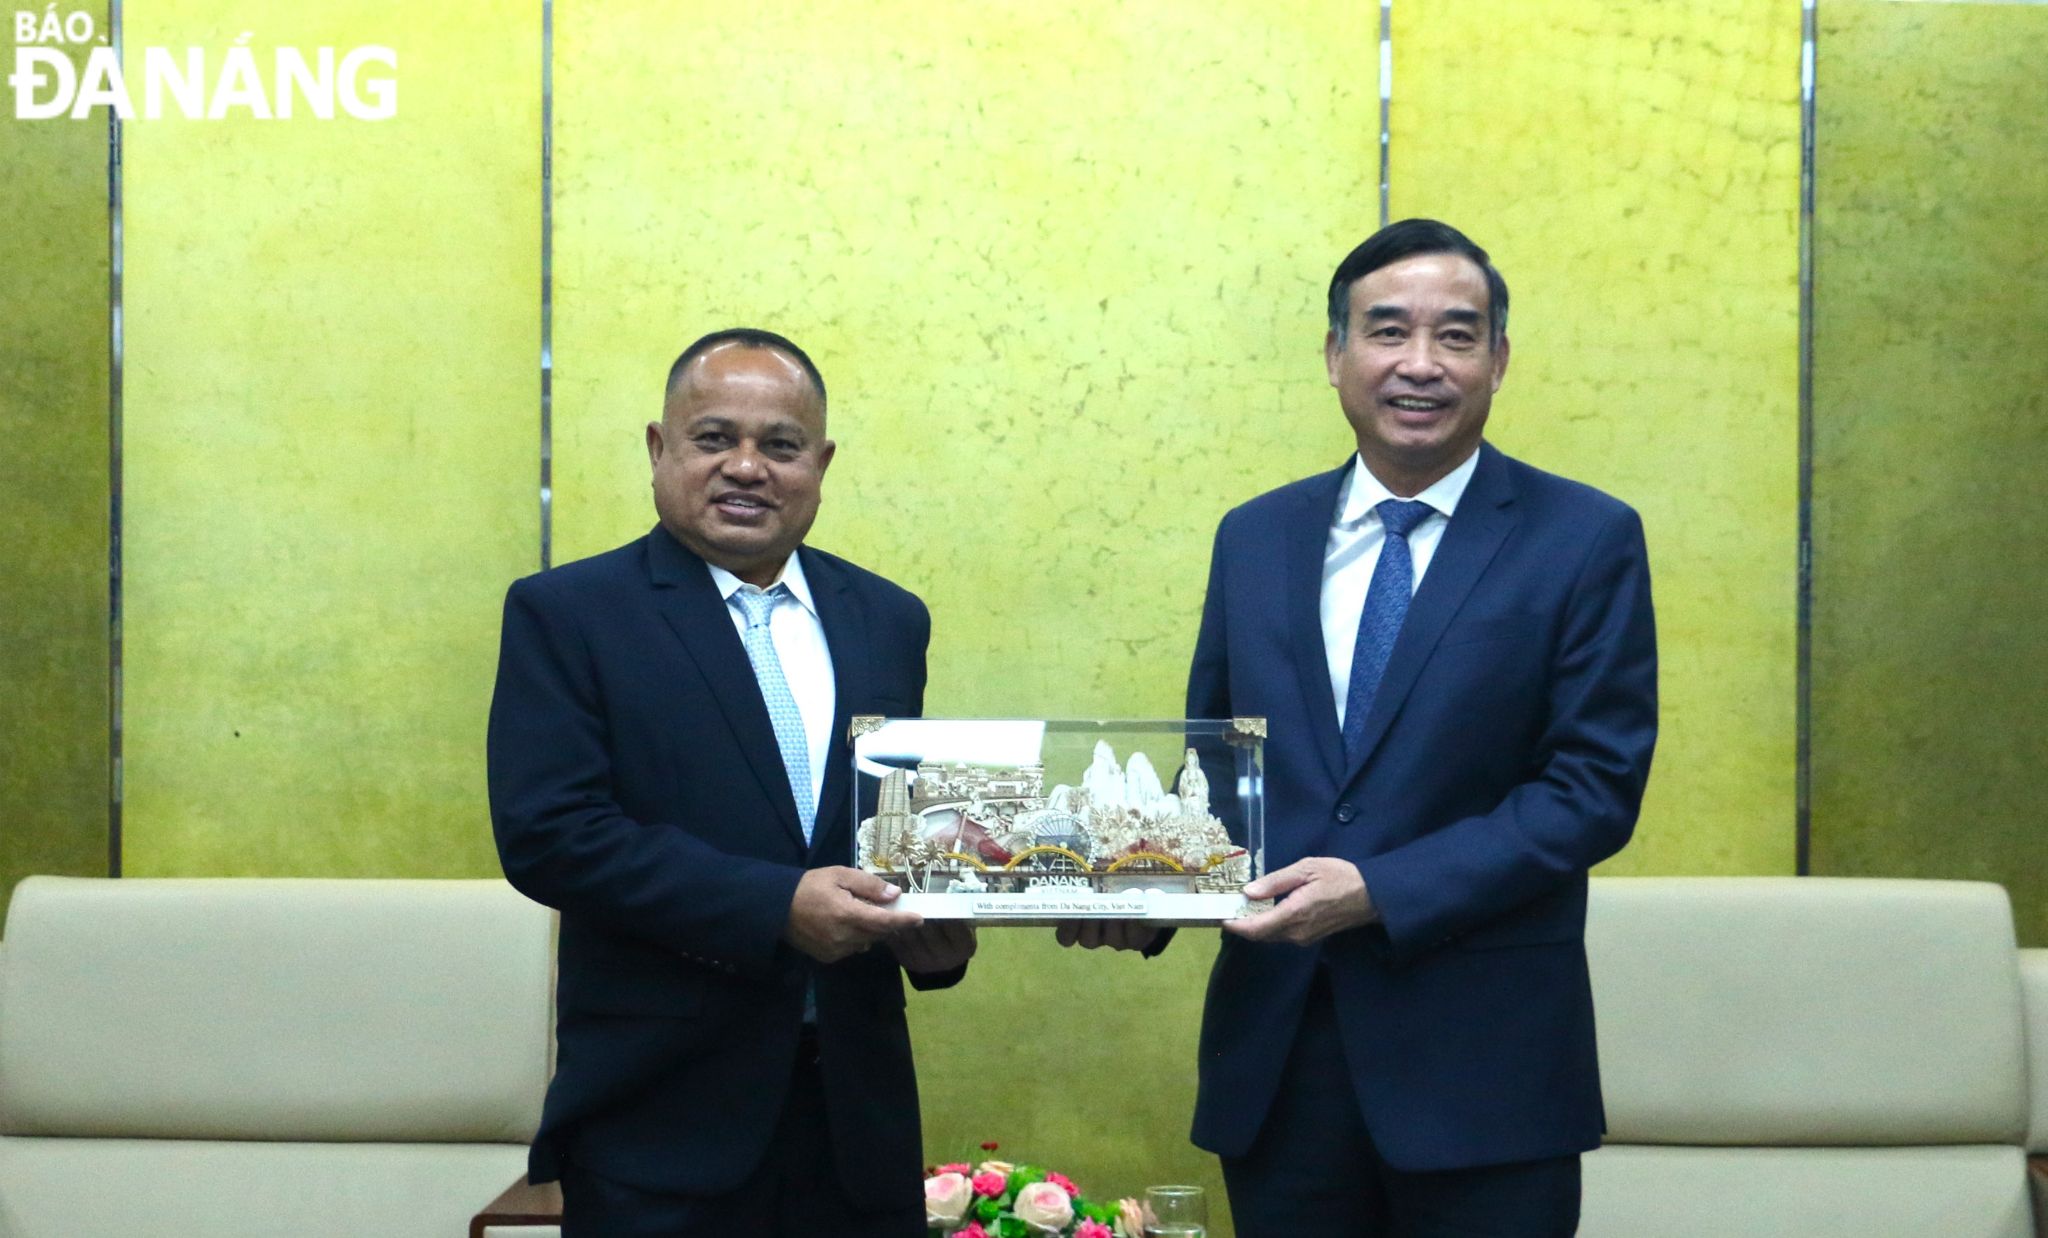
(1063,1182)
(974,1230)
(1093,1229)
(957,1167)
(991,1184)
(990,1146)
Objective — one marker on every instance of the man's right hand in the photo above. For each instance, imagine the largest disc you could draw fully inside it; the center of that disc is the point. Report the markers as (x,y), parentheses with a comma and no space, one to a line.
(840,911)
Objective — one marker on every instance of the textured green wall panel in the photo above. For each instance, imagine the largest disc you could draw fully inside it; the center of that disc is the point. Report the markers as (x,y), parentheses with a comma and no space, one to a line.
(1062,266)
(1634,170)
(333,329)
(53,419)
(1930,654)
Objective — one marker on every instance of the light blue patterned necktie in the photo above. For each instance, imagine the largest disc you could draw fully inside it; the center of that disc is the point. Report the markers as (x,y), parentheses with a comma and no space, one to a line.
(782,711)
(1386,605)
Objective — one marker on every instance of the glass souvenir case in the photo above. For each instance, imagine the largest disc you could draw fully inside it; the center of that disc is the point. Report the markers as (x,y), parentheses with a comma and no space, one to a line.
(1015,821)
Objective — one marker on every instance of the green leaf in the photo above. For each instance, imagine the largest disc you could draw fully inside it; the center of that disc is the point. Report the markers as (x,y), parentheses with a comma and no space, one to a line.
(1011,1227)
(986,1210)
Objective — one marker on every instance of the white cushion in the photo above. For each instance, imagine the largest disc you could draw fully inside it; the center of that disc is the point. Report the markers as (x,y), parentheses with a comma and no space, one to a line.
(522,1231)
(183,1188)
(2034,982)
(274,1009)
(1807,1011)
(1957,1192)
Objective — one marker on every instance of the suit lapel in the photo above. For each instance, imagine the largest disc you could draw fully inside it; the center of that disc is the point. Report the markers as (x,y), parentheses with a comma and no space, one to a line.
(688,599)
(846,634)
(1308,539)
(1484,517)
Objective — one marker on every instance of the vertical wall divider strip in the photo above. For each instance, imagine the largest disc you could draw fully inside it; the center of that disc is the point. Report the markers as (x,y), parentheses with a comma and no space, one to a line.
(1803,761)
(547,283)
(1386,105)
(115,341)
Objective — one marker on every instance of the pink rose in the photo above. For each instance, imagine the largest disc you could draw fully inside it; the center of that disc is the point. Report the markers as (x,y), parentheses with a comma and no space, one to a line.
(1063,1182)
(1092,1229)
(957,1167)
(991,1184)
(946,1197)
(1044,1206)
(973,1230)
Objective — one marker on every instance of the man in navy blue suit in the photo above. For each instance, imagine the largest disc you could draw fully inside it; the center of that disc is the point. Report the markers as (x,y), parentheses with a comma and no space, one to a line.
(1456,657)
(669,768)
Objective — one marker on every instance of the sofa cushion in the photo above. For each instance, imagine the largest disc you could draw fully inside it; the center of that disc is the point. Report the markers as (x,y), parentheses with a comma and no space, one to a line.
(1807,1011)
(274,1009)
(121,1188)
(1956,1192)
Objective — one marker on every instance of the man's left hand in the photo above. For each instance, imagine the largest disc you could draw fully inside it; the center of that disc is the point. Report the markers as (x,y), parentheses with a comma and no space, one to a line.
(1318,896)
(935,945)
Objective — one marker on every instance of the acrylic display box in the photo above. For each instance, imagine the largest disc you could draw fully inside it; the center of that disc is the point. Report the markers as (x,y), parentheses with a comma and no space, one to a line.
(1009,821)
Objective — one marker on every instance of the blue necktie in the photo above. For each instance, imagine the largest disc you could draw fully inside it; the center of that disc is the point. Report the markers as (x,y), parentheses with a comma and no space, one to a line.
(775,693)
(1386,605)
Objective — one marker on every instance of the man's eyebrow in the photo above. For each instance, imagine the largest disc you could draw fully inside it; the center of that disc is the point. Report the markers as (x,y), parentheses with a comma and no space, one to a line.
(1471,318)
(1386,313)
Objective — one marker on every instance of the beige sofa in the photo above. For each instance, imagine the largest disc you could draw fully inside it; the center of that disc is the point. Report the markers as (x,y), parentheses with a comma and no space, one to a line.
(1813,1057)
(250,1058)
(238,1058)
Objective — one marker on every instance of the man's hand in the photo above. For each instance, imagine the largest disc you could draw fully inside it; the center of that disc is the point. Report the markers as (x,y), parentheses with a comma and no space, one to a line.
(1116,934)
(936,945)
(1318,896)
(840,911)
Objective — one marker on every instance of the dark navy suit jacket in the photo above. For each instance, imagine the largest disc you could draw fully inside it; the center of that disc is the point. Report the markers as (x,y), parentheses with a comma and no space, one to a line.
(1506,752)
(636,786)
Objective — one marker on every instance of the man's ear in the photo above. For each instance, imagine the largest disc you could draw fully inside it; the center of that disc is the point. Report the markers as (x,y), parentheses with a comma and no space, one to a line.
(825,453)
(1500,362)
(1331,350)
(655,443)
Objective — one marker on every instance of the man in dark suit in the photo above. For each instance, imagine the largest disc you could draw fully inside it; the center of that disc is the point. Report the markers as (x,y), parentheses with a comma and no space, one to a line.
(669,768)
(1457,661)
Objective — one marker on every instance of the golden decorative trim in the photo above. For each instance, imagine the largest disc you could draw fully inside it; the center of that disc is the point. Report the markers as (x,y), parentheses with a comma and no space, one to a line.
(1244,730)
(965,858)
(1135,856)
(863,724)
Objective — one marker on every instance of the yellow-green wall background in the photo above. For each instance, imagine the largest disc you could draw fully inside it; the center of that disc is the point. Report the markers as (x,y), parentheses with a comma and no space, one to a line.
(1930,652)
(54,420)
(333,409)
(1062,266)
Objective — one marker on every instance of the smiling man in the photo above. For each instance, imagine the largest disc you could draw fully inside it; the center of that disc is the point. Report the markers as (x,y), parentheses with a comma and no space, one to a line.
(668,767)
(1456,657)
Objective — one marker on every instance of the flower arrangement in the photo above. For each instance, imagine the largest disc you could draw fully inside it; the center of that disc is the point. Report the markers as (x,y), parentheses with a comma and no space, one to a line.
(997,1199)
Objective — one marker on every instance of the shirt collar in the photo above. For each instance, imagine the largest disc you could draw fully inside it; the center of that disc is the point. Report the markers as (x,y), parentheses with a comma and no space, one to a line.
(792,575)
(1363,491)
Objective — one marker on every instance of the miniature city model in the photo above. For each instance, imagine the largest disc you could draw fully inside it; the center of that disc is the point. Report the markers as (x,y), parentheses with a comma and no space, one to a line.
(975,830)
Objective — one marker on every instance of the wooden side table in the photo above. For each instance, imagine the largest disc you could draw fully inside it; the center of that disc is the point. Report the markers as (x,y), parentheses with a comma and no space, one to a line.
(522,1203)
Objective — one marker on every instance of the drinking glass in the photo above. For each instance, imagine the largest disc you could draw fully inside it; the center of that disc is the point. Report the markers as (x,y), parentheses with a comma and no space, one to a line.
(1175,1212)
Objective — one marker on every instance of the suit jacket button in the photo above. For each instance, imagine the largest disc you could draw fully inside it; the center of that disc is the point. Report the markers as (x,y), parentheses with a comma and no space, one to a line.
(1344,814)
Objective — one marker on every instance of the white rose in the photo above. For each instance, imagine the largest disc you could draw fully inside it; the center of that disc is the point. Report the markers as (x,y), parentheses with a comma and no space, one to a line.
(946,1197)
(1044,1206)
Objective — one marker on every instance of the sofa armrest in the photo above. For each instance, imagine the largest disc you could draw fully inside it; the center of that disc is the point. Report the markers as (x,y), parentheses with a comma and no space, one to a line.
(2034,1005)
(521,1204)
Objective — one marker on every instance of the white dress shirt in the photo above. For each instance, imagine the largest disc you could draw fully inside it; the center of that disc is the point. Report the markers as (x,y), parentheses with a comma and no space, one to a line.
(800,646)
(1354,550)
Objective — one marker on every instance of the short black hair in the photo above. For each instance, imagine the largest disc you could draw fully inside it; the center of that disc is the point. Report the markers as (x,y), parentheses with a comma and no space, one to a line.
(745,337)
(1406,239)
